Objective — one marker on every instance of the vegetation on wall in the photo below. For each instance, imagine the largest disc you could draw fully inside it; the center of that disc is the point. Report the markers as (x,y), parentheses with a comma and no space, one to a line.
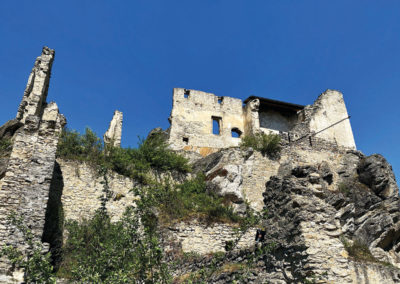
(5,147)
(36,264)
(129,250)
(267,144)
(177,202)
(151,154)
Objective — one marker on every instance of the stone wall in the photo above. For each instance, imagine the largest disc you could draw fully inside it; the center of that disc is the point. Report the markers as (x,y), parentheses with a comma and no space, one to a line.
(193,113)
(26,184)
(113,134)
(82,189)
(192,120)
(205,239)
(35,93)
(327,110)
(274,121)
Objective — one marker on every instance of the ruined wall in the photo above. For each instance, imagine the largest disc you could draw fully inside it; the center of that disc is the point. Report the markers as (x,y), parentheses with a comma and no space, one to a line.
(192,120)
(82,188)
(205,239)
(35,93)
(274,121)
(193,113)
(327,110)
(26,184)
(251,117)
(114,133)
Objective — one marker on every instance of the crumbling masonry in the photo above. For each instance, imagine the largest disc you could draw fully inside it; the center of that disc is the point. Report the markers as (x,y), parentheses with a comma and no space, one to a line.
(204,122)
(26,183)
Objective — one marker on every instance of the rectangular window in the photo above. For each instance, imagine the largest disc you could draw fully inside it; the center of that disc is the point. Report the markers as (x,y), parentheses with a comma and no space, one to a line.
(216,125)
(220,99)
(185,140)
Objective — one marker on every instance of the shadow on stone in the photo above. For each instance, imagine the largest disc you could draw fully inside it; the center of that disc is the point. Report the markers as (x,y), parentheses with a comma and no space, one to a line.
(54,222)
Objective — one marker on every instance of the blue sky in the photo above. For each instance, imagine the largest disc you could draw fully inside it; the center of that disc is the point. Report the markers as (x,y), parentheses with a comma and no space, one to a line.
(128,55)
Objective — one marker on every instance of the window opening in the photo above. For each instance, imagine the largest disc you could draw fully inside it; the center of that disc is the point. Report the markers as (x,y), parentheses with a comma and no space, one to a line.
(186,94)
(216,121)
(185,140)
(236,133)
(220,99)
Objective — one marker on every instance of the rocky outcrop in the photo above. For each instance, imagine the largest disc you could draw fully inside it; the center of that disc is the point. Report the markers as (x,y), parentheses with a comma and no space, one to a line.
(313,227)
(114,133)
(325,221)
(375,172)
(8,129)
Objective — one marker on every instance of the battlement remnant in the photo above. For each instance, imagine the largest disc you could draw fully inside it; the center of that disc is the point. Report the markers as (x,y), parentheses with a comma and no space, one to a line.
(35,94)
(204,122)
(114,133)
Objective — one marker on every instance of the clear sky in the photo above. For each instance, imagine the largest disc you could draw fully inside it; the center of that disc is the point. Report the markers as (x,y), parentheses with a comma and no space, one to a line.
(128,55)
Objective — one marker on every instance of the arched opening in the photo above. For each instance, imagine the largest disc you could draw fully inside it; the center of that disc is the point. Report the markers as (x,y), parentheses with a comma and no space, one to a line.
(236,133)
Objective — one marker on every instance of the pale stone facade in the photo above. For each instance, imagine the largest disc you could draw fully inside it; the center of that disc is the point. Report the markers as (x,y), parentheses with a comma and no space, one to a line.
(204,122)
(193,115)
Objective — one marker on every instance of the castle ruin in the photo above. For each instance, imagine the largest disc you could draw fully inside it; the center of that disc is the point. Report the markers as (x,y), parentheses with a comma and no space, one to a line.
(204,122)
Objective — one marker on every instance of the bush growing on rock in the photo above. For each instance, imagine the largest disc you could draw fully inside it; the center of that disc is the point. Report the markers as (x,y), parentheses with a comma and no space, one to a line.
(5,146)
(152,154)
(267,144)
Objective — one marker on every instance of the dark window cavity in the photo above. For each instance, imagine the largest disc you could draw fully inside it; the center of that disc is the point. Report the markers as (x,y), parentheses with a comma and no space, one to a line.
(236,133)
(220,99)
(186,94)
(185,140)
(216,125)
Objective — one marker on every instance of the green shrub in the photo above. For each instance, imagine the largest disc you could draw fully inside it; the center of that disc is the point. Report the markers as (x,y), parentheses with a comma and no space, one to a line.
(127,251)
(189,200)
(267,144)
(36,264)
(152,154)
(74,146)
(359,251)
(5,147)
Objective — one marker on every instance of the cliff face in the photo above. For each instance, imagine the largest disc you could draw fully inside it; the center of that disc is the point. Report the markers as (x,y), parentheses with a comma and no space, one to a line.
(328,233)
(331,217)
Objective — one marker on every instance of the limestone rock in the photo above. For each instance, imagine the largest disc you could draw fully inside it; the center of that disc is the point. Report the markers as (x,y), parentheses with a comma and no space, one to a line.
(114,133)
(375,172)
(8,129)
(227,182)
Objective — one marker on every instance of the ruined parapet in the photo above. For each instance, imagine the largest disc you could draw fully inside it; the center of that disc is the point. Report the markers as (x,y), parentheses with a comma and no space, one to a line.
(35,93)
(328,119)
(114,133)
(251,117)
(202,121)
